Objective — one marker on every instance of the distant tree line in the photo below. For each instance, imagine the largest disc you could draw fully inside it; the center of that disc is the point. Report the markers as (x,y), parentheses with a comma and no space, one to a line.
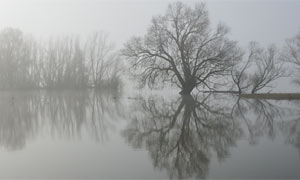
(65,62)
(180,48)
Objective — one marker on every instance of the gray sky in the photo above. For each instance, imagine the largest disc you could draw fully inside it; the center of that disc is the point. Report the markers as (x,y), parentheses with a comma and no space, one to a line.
(263,21)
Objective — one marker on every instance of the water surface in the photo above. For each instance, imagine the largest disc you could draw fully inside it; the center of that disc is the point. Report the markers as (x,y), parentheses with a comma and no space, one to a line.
(107,134)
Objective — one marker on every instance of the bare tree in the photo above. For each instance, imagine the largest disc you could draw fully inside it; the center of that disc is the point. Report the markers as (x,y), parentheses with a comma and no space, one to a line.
(239,74)
(65,64)
(268,68)
(103,62)
(17,59)
(58,60)
(180,48)
(258,70)
(291,54)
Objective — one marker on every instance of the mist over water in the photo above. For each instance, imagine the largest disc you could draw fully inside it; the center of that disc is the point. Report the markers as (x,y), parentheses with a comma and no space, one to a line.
(90,134)
(71,109)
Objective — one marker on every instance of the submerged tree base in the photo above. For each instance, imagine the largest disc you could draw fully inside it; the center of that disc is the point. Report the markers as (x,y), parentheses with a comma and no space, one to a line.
(186,91)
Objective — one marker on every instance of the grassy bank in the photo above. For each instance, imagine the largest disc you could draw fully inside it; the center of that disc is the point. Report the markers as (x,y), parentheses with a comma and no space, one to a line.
(276,96)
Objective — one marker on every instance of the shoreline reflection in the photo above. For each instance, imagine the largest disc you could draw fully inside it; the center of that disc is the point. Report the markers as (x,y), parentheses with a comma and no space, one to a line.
(64,114)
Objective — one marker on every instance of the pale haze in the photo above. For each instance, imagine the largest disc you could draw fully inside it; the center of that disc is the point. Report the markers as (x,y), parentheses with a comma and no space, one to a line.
(263,21)
(70,109)
(266,22)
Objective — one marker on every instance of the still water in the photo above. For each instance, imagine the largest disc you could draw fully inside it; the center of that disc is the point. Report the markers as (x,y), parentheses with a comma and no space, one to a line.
(88,134)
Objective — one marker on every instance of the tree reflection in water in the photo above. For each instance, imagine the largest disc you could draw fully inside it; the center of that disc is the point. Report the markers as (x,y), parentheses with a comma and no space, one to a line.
(65,114)
(183,134)
(291,129)
(259,117)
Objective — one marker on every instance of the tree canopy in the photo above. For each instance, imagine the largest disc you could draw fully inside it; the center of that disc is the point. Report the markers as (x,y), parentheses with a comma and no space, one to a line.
(181,48)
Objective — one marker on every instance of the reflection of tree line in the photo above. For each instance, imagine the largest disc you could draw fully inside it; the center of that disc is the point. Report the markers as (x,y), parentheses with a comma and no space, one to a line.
(64,114)
(182,135)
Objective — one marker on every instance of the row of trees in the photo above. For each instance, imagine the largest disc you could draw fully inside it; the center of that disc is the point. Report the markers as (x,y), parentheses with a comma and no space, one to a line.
(59,63)
(180,48)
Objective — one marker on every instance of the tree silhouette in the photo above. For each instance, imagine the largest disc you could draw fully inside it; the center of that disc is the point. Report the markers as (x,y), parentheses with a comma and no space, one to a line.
(291,54)
(180,48)
(259,70)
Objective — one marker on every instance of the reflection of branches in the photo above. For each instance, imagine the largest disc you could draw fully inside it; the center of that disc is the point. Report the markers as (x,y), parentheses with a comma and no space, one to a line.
(17,120)
(64,114)
(267,117)
(66,111)
(291,131)
(180,135)
(259,116)
(103,107)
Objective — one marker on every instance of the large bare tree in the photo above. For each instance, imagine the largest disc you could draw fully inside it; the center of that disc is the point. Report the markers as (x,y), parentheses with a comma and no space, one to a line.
(180,48)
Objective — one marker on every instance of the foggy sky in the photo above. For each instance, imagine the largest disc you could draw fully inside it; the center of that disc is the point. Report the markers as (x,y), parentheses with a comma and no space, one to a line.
(263,21)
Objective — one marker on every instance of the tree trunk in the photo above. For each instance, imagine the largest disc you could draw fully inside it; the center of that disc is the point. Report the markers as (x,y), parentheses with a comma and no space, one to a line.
(187,88)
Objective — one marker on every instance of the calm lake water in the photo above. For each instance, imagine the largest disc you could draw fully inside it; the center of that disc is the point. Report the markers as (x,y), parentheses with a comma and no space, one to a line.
(87,134)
